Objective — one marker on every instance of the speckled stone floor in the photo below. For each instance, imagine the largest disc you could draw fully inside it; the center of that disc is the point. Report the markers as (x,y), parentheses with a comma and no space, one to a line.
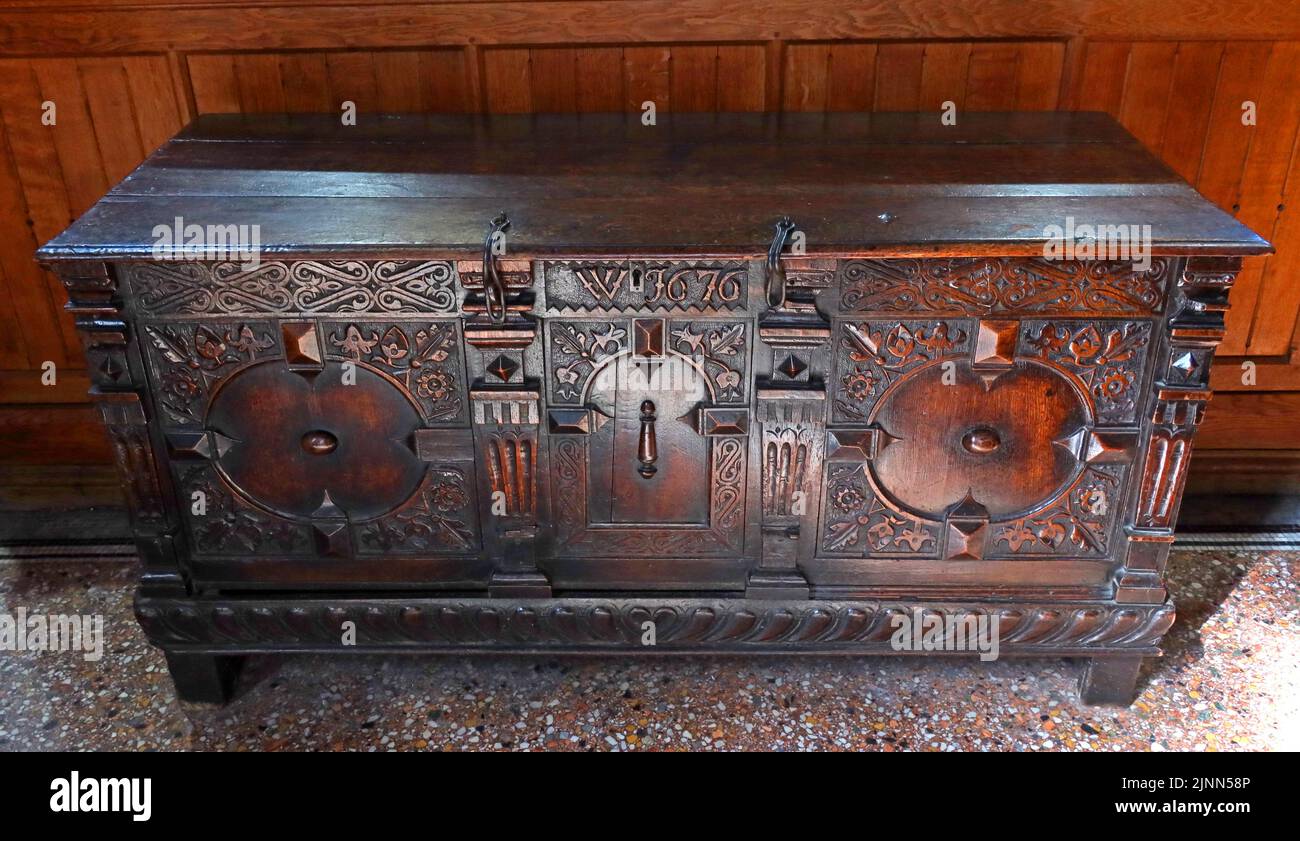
(1230,681)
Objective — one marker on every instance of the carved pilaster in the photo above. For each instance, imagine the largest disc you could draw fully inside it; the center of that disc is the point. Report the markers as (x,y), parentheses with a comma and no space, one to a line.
(791,440)
(505,362)
(1196,327)
(118,384)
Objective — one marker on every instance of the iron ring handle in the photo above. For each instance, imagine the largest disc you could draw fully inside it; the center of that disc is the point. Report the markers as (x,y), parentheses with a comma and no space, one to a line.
(494,288)
(775,271)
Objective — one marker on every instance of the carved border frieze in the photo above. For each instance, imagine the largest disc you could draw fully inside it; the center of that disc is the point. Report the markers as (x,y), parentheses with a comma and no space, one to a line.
(274,287)
(982,285)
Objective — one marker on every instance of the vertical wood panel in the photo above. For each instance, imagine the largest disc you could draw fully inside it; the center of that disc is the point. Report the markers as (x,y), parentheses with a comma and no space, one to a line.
(944,70)
(898,76)
(806,77)
(693,84)
(852,78)
(1042,66)
(1228,139)
(1101,85)
(305,81)
(153,95)
(1146,91)
(352,79)
(448,76)
(1191,96)
(1263,182)
(553,75)
(992,78)
(647,76)
(600,79)
(399,86)
(742,78)
(213,79)
(33,207)
(260,88)
(507,81)
(113,115)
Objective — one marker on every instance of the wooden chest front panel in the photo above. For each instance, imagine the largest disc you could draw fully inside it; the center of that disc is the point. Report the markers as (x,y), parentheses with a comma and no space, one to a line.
(632,339)
(967,424)
(985,411)
(315,419)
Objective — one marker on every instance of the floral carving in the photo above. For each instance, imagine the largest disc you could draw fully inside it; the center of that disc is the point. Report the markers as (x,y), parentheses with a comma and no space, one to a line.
(873,354)
(581,348)
(857,518)
(439,520)
(1108,359)
(720,351)
(425,359)
(190,358)
(1079,522)
(228,526)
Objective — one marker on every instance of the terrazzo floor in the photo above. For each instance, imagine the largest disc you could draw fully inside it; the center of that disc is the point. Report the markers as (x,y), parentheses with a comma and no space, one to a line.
(1229,681)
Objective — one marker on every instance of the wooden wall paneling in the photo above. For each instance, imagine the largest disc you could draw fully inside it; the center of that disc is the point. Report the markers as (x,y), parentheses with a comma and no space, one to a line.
(352,79)
(508,81)
(1274,327)
(72,434)
(81,168)
(305,80)
(945,69)
(851,77)
(1191,98)
(400,82)
(806,79)
(1261,420)
(1263,178)
(33,206)
(553,79)
(112,112)
(600,79)
(1271,166)
(647,75)
(1227,139)
(898,76)
(158,114)
(213,79)
(1042,66)
(153,27)
(1146,90)
(1223,160)
(992,76)
(742,77)
(433,80)
(693,78)
(1101,84)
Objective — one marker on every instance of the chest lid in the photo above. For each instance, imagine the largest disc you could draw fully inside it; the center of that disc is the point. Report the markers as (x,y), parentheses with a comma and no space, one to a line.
(704,184)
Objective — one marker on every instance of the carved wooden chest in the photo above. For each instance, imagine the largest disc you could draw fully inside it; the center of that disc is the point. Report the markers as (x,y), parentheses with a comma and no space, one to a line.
(736,383)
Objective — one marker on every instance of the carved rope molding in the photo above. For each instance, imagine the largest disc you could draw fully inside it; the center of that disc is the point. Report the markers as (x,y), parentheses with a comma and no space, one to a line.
(620,623)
